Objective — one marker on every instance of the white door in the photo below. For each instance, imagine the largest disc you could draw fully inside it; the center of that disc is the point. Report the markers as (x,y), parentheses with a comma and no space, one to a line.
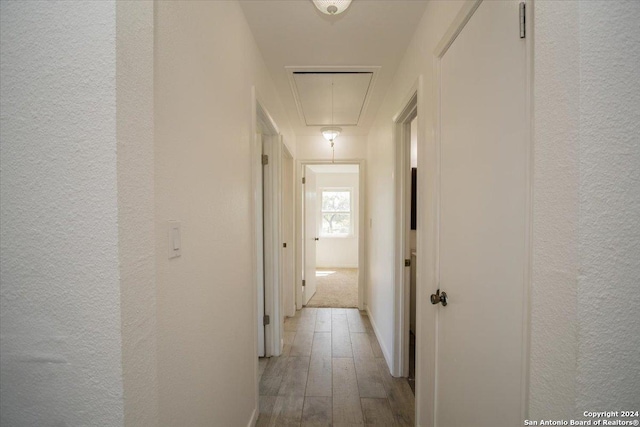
(259,200)
(310,234)
(483,222)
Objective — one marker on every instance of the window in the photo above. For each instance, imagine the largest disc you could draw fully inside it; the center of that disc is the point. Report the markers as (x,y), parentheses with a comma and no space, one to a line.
(336,213)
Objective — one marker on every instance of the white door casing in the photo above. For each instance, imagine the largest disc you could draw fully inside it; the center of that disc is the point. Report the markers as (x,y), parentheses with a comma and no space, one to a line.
(484,222)
(310,234)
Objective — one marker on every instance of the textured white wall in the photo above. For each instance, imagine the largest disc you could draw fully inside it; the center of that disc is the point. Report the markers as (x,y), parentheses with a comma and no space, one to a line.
(134,96)
(206,63)
(339,251)
(555,210)
(609,226)
(59,295)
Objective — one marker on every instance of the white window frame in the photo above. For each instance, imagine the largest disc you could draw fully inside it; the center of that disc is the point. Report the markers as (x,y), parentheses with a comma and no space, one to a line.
(350,234)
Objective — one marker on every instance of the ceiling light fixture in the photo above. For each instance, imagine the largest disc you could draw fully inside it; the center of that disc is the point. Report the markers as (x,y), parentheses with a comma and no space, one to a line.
(332,7)
(330,133)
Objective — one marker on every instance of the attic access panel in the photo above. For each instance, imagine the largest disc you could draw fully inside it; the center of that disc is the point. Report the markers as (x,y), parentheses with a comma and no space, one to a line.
(320,93)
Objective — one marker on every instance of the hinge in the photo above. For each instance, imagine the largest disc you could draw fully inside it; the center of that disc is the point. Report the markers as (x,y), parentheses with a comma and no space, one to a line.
(407,262)
(266,320)
(284,245)
(304,180)
(522,20)
(265,159)
(303,283)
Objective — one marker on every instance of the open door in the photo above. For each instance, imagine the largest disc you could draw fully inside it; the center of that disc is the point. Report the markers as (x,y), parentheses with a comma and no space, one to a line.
(259,201)
(481,332)
(310,234)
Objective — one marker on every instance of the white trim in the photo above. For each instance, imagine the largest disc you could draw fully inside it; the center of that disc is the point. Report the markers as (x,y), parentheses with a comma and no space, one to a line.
(254,417)
(528,275)
(262,121)
(336,69)
(300,164)
(455,28)
(402,122)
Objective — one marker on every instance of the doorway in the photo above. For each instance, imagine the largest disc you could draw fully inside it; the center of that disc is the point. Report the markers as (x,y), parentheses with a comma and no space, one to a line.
(407,232)
(332,221)
(330,234)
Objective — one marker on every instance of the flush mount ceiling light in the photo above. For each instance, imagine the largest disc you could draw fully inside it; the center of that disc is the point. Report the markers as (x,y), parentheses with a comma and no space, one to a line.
(330,133)
(332,7)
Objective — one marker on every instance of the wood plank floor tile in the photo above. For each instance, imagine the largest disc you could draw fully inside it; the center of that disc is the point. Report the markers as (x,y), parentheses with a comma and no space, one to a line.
(332,373)
(266,405)
(272,376)
(262,364)
(346,402)
(375,345)
(323,320)
(289,336)
(294,380)
(302,344)
(291,323)
(401,399)
(358,321)
(287,411)
(317,411)
(377,412)
(369,379)
(361,345)
(307,320)
(340,339)
(319,380)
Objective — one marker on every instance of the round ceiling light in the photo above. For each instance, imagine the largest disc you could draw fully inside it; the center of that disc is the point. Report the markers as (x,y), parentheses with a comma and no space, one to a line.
(330,133)
(332,7)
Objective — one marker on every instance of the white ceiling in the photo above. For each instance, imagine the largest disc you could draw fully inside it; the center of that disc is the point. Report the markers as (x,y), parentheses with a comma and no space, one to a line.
(293,33)
(327,99)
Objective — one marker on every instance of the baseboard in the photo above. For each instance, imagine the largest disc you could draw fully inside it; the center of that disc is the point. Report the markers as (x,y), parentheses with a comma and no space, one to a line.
(254,418)
(385,351)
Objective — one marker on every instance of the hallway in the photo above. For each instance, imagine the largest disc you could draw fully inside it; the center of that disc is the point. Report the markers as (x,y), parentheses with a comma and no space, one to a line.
(331,372)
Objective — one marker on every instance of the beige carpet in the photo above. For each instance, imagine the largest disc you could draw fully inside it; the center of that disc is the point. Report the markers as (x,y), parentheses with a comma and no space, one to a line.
(336,287)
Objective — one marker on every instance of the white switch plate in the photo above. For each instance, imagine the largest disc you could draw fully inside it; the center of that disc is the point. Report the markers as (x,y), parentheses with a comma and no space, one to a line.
(175,240)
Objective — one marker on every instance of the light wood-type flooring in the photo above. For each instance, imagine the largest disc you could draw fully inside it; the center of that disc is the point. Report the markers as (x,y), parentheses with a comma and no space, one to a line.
(331,373)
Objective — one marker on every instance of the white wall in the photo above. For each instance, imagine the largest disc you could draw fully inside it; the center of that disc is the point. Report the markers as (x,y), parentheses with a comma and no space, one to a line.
(59,289)
(584,290)
(315,147)
(206,63)
(339,251)
(609,227)
(134,98)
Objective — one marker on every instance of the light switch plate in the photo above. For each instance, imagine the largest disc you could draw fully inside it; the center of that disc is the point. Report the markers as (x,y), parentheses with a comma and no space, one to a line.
(175,239)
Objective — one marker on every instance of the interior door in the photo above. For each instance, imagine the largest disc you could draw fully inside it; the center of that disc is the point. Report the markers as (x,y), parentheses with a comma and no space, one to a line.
(310,234)
(483,222)
(259,200)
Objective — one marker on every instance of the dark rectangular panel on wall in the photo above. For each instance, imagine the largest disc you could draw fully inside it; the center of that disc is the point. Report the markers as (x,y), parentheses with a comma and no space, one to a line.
(414,173)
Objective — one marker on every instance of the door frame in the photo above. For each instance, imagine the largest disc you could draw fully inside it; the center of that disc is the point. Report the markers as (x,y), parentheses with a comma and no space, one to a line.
(268,222)
(426,403)
(402,184)
(300,165)
(288,309)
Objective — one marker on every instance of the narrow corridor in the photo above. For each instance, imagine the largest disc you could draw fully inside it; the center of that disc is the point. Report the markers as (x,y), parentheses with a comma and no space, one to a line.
(331,373)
